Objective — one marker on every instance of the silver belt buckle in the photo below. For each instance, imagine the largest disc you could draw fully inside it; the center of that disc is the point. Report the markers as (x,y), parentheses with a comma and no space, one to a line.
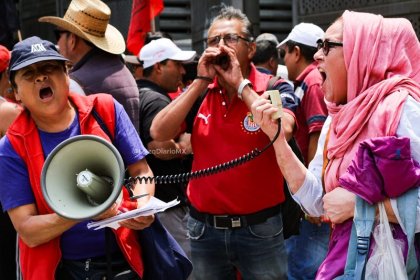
(236,222)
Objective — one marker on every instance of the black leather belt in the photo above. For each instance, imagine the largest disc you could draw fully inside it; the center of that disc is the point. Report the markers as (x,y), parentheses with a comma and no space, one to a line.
(235,221)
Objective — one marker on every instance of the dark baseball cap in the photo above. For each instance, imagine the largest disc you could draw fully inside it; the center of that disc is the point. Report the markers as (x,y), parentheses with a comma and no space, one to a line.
(33,50)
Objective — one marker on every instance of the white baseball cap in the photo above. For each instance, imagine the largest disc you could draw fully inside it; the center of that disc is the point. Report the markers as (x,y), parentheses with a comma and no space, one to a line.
(304,33)
(161,49)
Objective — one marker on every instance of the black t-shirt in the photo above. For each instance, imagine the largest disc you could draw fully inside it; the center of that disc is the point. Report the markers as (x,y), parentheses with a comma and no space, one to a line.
(152,100)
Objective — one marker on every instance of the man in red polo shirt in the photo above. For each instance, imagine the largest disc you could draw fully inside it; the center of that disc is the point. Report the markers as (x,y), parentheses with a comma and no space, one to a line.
(235,220)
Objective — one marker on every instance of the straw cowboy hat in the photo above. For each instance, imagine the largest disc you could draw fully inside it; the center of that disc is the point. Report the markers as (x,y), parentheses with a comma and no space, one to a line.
(89,19)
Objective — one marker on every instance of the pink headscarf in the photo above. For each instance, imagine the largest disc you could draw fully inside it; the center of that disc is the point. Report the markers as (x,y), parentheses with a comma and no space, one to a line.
(381,56)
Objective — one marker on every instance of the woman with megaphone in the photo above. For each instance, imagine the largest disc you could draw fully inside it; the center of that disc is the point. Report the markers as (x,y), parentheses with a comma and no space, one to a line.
(54,246)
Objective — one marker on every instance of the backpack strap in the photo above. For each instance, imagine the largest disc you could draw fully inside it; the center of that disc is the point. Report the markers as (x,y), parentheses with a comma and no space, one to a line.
(407,210)
(359,242)
(102,124)
(364,218)
(104,113)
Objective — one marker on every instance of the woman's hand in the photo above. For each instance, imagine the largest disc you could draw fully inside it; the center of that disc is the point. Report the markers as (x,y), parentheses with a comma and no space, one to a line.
(138,223)
(262,110)
(339,205)
(110,212)
(141,222)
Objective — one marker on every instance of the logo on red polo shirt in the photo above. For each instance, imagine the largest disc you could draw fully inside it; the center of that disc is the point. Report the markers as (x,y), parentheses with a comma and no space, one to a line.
(205,118)
(248,123)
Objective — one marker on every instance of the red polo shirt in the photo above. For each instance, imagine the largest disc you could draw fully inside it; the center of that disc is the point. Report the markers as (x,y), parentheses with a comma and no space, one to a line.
(224,131)
(312,111)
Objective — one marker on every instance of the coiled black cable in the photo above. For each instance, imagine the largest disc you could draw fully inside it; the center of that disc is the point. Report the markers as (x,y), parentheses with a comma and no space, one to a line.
(185,177)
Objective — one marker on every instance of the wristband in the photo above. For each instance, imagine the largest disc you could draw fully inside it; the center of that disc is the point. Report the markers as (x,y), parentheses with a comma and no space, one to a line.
(207,79)
(241,87)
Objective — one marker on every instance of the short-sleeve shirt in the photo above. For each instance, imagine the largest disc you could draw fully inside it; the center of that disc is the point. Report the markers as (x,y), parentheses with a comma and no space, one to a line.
(224,131)
(152,99)
(312,111)
(15,190)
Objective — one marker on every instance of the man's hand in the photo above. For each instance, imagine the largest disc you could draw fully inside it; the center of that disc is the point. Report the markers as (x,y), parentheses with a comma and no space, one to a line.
(206,64)
(184,142)
(314,220)
(231,74)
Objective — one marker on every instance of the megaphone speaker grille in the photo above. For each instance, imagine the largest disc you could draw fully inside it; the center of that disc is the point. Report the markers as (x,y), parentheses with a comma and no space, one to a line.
(66,161)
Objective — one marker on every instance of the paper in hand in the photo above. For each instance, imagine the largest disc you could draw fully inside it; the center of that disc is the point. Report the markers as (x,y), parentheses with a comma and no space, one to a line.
(154,205)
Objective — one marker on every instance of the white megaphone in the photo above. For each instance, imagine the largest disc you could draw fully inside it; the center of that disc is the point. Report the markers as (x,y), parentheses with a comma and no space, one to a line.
(82,177)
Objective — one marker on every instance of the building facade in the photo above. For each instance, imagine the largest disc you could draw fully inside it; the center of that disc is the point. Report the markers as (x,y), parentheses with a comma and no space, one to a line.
(187,21)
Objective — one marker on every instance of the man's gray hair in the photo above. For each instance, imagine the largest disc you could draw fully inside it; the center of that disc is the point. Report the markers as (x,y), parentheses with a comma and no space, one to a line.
(231,13)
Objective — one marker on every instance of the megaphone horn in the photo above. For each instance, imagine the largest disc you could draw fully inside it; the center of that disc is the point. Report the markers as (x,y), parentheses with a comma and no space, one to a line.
(82,177)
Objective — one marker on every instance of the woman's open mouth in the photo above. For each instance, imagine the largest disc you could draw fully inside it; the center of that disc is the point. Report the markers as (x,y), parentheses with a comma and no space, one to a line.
(323,74)
(45,93)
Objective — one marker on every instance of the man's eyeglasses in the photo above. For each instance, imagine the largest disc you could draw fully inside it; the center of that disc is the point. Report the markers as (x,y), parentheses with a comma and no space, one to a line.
(327,45)
(230,39)
(57,33)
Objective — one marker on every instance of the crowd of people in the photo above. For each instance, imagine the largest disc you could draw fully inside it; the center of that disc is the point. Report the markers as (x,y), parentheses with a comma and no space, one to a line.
(169,111)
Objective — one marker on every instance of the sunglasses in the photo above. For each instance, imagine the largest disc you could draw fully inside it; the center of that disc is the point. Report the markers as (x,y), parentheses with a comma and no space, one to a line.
(58,32)
(230,39)
(327,45)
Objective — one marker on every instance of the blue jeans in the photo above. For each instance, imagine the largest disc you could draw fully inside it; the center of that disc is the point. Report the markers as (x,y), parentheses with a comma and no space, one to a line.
(256,251)
(306,251)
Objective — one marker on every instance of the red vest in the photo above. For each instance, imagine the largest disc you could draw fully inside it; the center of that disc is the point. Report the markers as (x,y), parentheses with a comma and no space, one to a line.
(41,261)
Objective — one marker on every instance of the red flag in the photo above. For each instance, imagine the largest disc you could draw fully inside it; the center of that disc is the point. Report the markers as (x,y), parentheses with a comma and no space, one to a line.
(142,13)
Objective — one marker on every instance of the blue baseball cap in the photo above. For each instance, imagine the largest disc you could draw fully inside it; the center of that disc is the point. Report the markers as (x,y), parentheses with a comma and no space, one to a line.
(33,50)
